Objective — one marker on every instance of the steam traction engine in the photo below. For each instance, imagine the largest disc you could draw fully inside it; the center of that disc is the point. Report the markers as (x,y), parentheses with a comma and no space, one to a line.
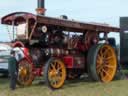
(60,48)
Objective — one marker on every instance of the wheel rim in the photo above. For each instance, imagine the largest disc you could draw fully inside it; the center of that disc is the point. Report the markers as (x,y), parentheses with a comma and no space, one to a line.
(106,63)
(56,73)
(25,76)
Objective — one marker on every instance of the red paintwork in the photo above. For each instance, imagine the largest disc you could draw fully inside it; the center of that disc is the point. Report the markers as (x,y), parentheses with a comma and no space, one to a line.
(18,44)
(81,46)
(74,61)
(38,71)
(68,60)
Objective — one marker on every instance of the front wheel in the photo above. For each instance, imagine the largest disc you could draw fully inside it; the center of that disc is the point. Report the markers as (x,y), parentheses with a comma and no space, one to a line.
(25,74)
(102,63)
(55,73)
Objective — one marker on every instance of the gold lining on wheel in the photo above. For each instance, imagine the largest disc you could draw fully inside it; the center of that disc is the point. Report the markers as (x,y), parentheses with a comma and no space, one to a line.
(56,73)
(106,63)
(25,76)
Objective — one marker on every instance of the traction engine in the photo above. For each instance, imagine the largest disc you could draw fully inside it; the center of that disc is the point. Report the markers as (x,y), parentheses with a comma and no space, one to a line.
(60,49)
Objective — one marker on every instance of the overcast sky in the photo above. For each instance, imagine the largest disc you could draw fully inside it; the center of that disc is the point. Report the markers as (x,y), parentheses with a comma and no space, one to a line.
(102,11)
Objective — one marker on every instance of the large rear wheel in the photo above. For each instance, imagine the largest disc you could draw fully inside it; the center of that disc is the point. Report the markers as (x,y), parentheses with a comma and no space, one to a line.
(55,73)
(102,63)
(25,74)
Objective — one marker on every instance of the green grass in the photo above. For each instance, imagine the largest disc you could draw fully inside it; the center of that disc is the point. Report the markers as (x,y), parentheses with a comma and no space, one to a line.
(72,88)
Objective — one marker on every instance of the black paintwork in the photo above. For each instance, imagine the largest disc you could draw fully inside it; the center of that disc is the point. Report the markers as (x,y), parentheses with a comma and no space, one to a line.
(123,40)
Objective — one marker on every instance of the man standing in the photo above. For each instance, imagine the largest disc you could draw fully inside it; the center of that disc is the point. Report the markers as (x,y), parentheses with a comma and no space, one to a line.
(12,64)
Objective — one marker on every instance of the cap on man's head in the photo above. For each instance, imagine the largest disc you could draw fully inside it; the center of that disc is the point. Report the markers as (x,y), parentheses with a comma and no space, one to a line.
(12,52)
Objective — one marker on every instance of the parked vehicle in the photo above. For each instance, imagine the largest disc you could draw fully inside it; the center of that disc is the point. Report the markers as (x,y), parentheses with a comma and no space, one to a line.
(4,55)
(59,49)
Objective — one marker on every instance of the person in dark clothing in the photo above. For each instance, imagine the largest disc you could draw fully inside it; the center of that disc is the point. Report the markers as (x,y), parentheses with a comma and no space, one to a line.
(12,66)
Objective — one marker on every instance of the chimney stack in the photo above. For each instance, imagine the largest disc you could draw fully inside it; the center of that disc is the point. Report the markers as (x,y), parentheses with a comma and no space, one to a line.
(41,7)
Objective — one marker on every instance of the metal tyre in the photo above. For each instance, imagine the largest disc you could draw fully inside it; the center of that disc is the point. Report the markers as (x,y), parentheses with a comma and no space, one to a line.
(55,73)
(102,63)
(25,74)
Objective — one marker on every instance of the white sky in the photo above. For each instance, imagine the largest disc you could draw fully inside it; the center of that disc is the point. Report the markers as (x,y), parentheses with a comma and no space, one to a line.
(102,11)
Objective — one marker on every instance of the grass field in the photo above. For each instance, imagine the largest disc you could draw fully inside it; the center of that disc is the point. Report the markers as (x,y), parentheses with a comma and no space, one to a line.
(72,88)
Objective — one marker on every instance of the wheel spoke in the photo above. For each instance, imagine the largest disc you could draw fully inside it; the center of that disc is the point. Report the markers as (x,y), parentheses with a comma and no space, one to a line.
(99,58)
(101,53)
(99,70)
(106,52)
(106,73)
(101,74)
(58,78)
(109,66)
(59,66)
(56,64)
(108,62)
(109,58)
(98,66)
(53,66)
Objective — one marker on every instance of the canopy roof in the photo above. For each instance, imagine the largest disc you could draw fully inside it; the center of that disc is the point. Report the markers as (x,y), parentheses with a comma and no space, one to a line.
(67,24)
(17,17)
